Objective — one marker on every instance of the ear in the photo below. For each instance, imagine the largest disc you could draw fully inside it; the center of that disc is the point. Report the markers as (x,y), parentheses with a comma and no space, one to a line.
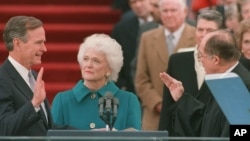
(216,59)
(16,44)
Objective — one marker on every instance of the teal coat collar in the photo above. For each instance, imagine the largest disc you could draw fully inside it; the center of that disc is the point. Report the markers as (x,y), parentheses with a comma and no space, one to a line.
(80,90)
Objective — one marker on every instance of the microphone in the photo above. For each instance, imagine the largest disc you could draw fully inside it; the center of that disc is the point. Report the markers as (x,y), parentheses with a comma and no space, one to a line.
(115,106)
(100,103)
(108,97)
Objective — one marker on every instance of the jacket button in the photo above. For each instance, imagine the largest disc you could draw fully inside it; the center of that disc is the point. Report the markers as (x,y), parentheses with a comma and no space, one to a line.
(92,96)
(92,125)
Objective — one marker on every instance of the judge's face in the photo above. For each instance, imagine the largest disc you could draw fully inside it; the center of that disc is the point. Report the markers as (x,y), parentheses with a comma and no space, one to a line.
(245,45)
(207,60)
(94,66)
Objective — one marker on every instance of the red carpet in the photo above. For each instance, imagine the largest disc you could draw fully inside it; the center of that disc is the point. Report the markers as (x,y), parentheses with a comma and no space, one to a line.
(67,23)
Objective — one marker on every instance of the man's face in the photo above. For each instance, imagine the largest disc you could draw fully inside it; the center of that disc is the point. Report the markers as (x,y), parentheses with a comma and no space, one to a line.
(30,52)
(173,14)
(245,44)
(141,8)
(203,27)
(154,10)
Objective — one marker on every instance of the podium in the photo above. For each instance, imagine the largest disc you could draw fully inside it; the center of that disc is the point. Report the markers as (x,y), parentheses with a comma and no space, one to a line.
(109,135)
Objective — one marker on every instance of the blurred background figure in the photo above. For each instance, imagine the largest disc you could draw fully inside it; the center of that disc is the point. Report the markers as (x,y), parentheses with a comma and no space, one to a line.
(155,47)
(232,21)
(245,9)
(122,5)
(155,12)
(100,59)
(244,42)
(125,32)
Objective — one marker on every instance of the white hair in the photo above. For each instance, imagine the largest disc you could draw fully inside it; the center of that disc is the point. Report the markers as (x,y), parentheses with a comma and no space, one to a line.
(182,2)
(109,47)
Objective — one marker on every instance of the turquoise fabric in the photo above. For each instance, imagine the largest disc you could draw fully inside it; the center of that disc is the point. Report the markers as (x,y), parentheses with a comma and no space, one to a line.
(77,108)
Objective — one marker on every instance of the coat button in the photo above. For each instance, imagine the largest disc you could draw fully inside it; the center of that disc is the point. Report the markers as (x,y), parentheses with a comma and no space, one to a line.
(92,96)
(92,125)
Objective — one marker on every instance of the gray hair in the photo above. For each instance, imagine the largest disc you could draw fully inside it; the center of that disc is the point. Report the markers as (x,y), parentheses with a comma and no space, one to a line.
(212,15)
(109,47)
(17,27)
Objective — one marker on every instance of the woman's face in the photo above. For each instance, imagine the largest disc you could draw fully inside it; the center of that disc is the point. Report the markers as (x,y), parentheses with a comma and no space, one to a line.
(94,66)
(245,45)
(245,11)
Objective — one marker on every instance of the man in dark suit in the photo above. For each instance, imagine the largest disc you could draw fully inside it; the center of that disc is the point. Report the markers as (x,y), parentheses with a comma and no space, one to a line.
(24,110)
(199,114)
(185,67)
(125,33)
(155,12)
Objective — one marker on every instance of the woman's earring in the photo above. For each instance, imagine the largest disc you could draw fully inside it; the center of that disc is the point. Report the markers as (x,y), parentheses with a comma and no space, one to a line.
(107,74)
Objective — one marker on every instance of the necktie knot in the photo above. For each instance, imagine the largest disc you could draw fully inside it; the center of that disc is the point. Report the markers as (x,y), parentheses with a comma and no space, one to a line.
(171,36)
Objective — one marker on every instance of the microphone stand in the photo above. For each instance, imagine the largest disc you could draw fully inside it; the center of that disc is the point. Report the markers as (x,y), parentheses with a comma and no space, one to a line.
(109,113)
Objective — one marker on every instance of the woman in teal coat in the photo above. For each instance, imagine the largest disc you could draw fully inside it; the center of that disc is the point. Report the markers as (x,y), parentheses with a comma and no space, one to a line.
(100,58)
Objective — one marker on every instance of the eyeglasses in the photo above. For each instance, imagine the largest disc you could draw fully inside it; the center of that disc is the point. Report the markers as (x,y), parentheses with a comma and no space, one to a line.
(200,55)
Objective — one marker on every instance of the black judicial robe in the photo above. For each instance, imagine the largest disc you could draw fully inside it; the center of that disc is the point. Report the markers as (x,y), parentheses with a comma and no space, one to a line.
(200,115)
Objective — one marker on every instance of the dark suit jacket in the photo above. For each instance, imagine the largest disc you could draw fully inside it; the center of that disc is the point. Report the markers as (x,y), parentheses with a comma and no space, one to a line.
(245,62)
(125,33)
(181,67)
(17,114)
(200,115)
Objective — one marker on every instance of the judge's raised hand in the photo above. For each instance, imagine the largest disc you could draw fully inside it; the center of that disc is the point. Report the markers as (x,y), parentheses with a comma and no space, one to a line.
(175,87)
(39,90)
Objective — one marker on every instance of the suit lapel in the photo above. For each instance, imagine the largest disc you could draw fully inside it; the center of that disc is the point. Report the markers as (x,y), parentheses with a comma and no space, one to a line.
(185,40)
(18,80)
(159,42)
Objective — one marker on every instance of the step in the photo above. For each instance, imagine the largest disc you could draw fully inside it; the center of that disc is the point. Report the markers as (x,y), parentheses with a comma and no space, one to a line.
(58,2)
(62,13)
(60,72)
(71,32)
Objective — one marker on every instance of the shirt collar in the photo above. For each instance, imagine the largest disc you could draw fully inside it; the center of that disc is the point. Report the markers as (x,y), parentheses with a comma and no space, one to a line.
(20,69)
(176,33)
(142,21)
(231,68)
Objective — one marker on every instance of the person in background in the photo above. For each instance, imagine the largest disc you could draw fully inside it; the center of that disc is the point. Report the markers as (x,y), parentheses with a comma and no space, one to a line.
(121,5)
(155,47)
(185,67)
(155,12)
(24,109)
(218,52)
(244,9)
(125,32)
(232,21)
(244,42)
(100,59)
